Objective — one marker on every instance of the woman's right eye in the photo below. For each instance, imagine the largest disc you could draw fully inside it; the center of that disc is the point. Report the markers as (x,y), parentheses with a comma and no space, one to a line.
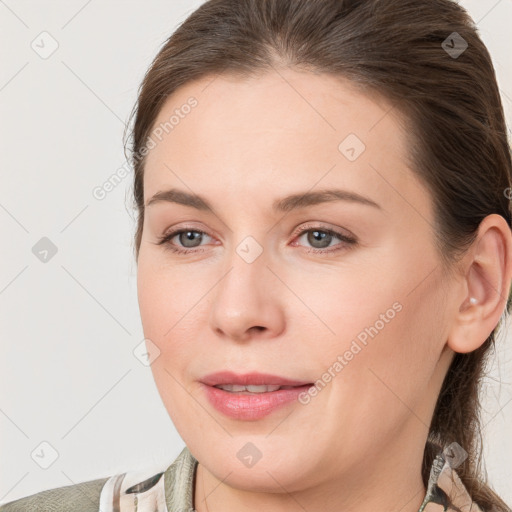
(185,236)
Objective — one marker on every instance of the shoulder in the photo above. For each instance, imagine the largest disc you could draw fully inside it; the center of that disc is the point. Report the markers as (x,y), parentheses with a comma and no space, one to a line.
(151,489)
(84,496)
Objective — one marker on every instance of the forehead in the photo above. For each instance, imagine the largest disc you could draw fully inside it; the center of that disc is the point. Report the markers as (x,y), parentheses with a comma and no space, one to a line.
(283,129)
(276,101)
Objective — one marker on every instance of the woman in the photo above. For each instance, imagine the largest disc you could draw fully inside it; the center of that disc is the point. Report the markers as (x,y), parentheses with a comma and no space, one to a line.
(324,257)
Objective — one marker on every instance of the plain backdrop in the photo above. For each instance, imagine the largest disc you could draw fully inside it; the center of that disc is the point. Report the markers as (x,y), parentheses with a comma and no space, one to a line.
(76,404)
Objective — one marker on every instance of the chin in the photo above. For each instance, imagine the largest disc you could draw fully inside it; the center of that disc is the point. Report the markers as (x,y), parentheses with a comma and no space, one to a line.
(282,467)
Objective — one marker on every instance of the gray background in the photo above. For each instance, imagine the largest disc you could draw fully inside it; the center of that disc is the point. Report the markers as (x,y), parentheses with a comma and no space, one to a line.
(69,326)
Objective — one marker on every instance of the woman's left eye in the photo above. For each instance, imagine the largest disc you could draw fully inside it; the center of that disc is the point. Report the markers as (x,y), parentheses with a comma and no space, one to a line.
(316,235)
(323,237)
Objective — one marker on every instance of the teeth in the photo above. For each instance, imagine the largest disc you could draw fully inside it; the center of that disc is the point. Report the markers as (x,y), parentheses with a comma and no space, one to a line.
(234,388)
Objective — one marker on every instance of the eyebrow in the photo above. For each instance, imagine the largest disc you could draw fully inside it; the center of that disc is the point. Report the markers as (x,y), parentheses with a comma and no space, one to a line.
(284,205)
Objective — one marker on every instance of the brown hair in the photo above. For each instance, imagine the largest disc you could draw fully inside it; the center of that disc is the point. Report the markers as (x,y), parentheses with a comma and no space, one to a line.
(458,139)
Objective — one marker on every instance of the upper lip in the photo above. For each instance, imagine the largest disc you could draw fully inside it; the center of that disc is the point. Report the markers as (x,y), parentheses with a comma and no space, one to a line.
(247,379)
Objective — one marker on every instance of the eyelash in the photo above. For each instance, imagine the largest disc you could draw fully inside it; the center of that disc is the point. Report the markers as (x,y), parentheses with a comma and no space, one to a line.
(165,240)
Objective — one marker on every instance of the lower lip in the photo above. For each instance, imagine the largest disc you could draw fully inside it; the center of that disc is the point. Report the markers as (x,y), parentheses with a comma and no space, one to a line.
(252,407)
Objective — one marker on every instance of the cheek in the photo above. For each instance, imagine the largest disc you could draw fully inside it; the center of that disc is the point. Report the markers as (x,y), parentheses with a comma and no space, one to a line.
(390,361)
(164,303)
(342,305)
(168,297)
(174,310)
(379,339)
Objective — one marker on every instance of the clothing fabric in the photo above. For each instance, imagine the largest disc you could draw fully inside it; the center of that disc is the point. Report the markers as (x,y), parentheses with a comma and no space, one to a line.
(172,490)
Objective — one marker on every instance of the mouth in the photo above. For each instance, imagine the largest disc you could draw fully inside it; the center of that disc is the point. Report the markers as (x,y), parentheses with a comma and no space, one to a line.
(252,402)
(254,389)
(251,396)
(254,382)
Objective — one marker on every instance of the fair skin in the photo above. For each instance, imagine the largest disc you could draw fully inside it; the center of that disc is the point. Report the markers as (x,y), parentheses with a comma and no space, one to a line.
(358,445)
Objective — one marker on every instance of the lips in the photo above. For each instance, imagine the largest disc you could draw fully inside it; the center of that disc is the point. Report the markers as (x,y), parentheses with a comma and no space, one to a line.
(251,405)
(250,379)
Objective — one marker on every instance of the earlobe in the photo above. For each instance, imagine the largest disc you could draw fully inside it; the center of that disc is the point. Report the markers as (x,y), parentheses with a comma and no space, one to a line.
(486,286)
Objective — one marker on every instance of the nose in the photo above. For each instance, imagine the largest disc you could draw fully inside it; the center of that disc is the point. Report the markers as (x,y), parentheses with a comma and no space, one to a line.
(247,302)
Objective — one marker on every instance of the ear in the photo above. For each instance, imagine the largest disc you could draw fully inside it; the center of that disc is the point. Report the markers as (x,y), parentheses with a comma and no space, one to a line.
(486,282)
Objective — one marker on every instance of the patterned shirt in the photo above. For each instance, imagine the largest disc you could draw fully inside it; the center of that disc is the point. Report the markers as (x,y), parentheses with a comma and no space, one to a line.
(172,490)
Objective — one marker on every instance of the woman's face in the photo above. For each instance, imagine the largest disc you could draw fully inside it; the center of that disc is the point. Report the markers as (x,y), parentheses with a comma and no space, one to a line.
(262,285)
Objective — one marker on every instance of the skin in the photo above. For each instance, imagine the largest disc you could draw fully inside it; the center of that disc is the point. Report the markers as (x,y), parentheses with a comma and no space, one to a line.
(357,445)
